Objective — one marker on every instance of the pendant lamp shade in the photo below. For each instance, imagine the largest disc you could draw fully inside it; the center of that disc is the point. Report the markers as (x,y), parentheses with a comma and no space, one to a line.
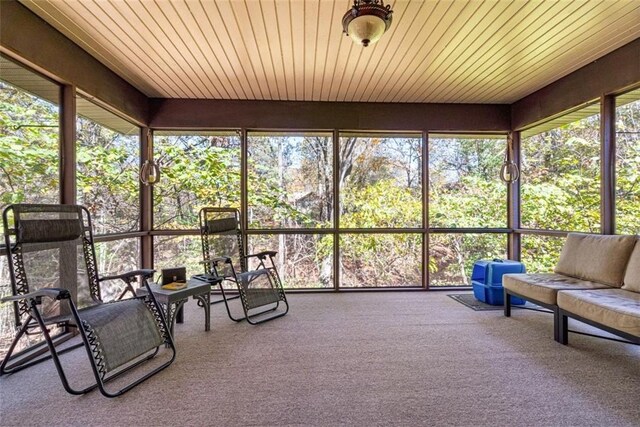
(367,21)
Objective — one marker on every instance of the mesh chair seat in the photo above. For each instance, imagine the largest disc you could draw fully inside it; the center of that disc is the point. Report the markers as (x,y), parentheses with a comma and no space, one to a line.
(258,288)
(119,331)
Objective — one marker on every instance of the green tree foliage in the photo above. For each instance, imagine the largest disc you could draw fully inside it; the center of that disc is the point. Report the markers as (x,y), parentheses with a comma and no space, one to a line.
(290,181)
(107,176)
(28,148)
(178,251)
(196,171)
(560,178)
(540,253)
(628,168)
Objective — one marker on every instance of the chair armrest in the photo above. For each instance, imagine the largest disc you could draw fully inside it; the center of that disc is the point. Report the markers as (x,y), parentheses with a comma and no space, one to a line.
(208,278)
(146,273)
(53,293)
(223,259)
(262,255)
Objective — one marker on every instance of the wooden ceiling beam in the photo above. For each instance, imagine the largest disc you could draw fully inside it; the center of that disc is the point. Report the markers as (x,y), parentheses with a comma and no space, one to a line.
(199,113)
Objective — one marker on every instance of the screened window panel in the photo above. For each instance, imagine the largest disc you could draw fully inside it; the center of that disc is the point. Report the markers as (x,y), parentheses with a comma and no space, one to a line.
(380,180)
(628,167)
(116,257)
(465,189)
(380,260)
(304,261)
(451,256)
(108,153)
(178,251)
(197,170)
(290,180)
(29,141)
(560,176)
(540,254)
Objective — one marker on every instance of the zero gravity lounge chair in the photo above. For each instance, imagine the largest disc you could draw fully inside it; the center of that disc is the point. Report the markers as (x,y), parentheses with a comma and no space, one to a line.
(55,284)
(260,290)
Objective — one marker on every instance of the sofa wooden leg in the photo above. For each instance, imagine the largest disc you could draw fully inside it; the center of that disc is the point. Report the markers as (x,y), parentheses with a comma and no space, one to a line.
(507,304)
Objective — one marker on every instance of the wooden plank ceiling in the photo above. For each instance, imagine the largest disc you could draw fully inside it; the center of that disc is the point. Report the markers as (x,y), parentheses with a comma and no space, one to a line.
(455,51)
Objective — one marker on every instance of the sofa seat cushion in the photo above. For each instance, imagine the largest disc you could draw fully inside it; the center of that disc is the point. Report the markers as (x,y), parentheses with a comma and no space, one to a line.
(544,287)
(616,308)
(596,257)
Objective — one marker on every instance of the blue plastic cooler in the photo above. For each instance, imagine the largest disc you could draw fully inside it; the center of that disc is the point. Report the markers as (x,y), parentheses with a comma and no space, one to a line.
(486,279)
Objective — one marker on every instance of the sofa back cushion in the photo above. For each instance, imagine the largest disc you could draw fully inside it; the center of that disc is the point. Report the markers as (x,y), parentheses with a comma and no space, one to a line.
(632,276)
(596,258)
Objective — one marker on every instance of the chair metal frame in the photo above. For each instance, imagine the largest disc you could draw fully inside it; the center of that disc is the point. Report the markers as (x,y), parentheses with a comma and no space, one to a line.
(30,320)
(214,266)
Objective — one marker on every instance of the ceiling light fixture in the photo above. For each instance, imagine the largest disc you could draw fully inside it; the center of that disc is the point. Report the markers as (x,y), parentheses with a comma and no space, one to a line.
(367,21)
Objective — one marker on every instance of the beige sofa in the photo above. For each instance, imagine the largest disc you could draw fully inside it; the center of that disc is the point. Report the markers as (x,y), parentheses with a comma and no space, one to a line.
(596,281)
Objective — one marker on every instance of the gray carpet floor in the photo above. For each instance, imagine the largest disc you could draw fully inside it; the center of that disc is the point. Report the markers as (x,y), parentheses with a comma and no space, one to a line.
(402,358)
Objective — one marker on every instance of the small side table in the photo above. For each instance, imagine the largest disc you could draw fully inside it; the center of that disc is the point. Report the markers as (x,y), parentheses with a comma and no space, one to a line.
(172,301)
